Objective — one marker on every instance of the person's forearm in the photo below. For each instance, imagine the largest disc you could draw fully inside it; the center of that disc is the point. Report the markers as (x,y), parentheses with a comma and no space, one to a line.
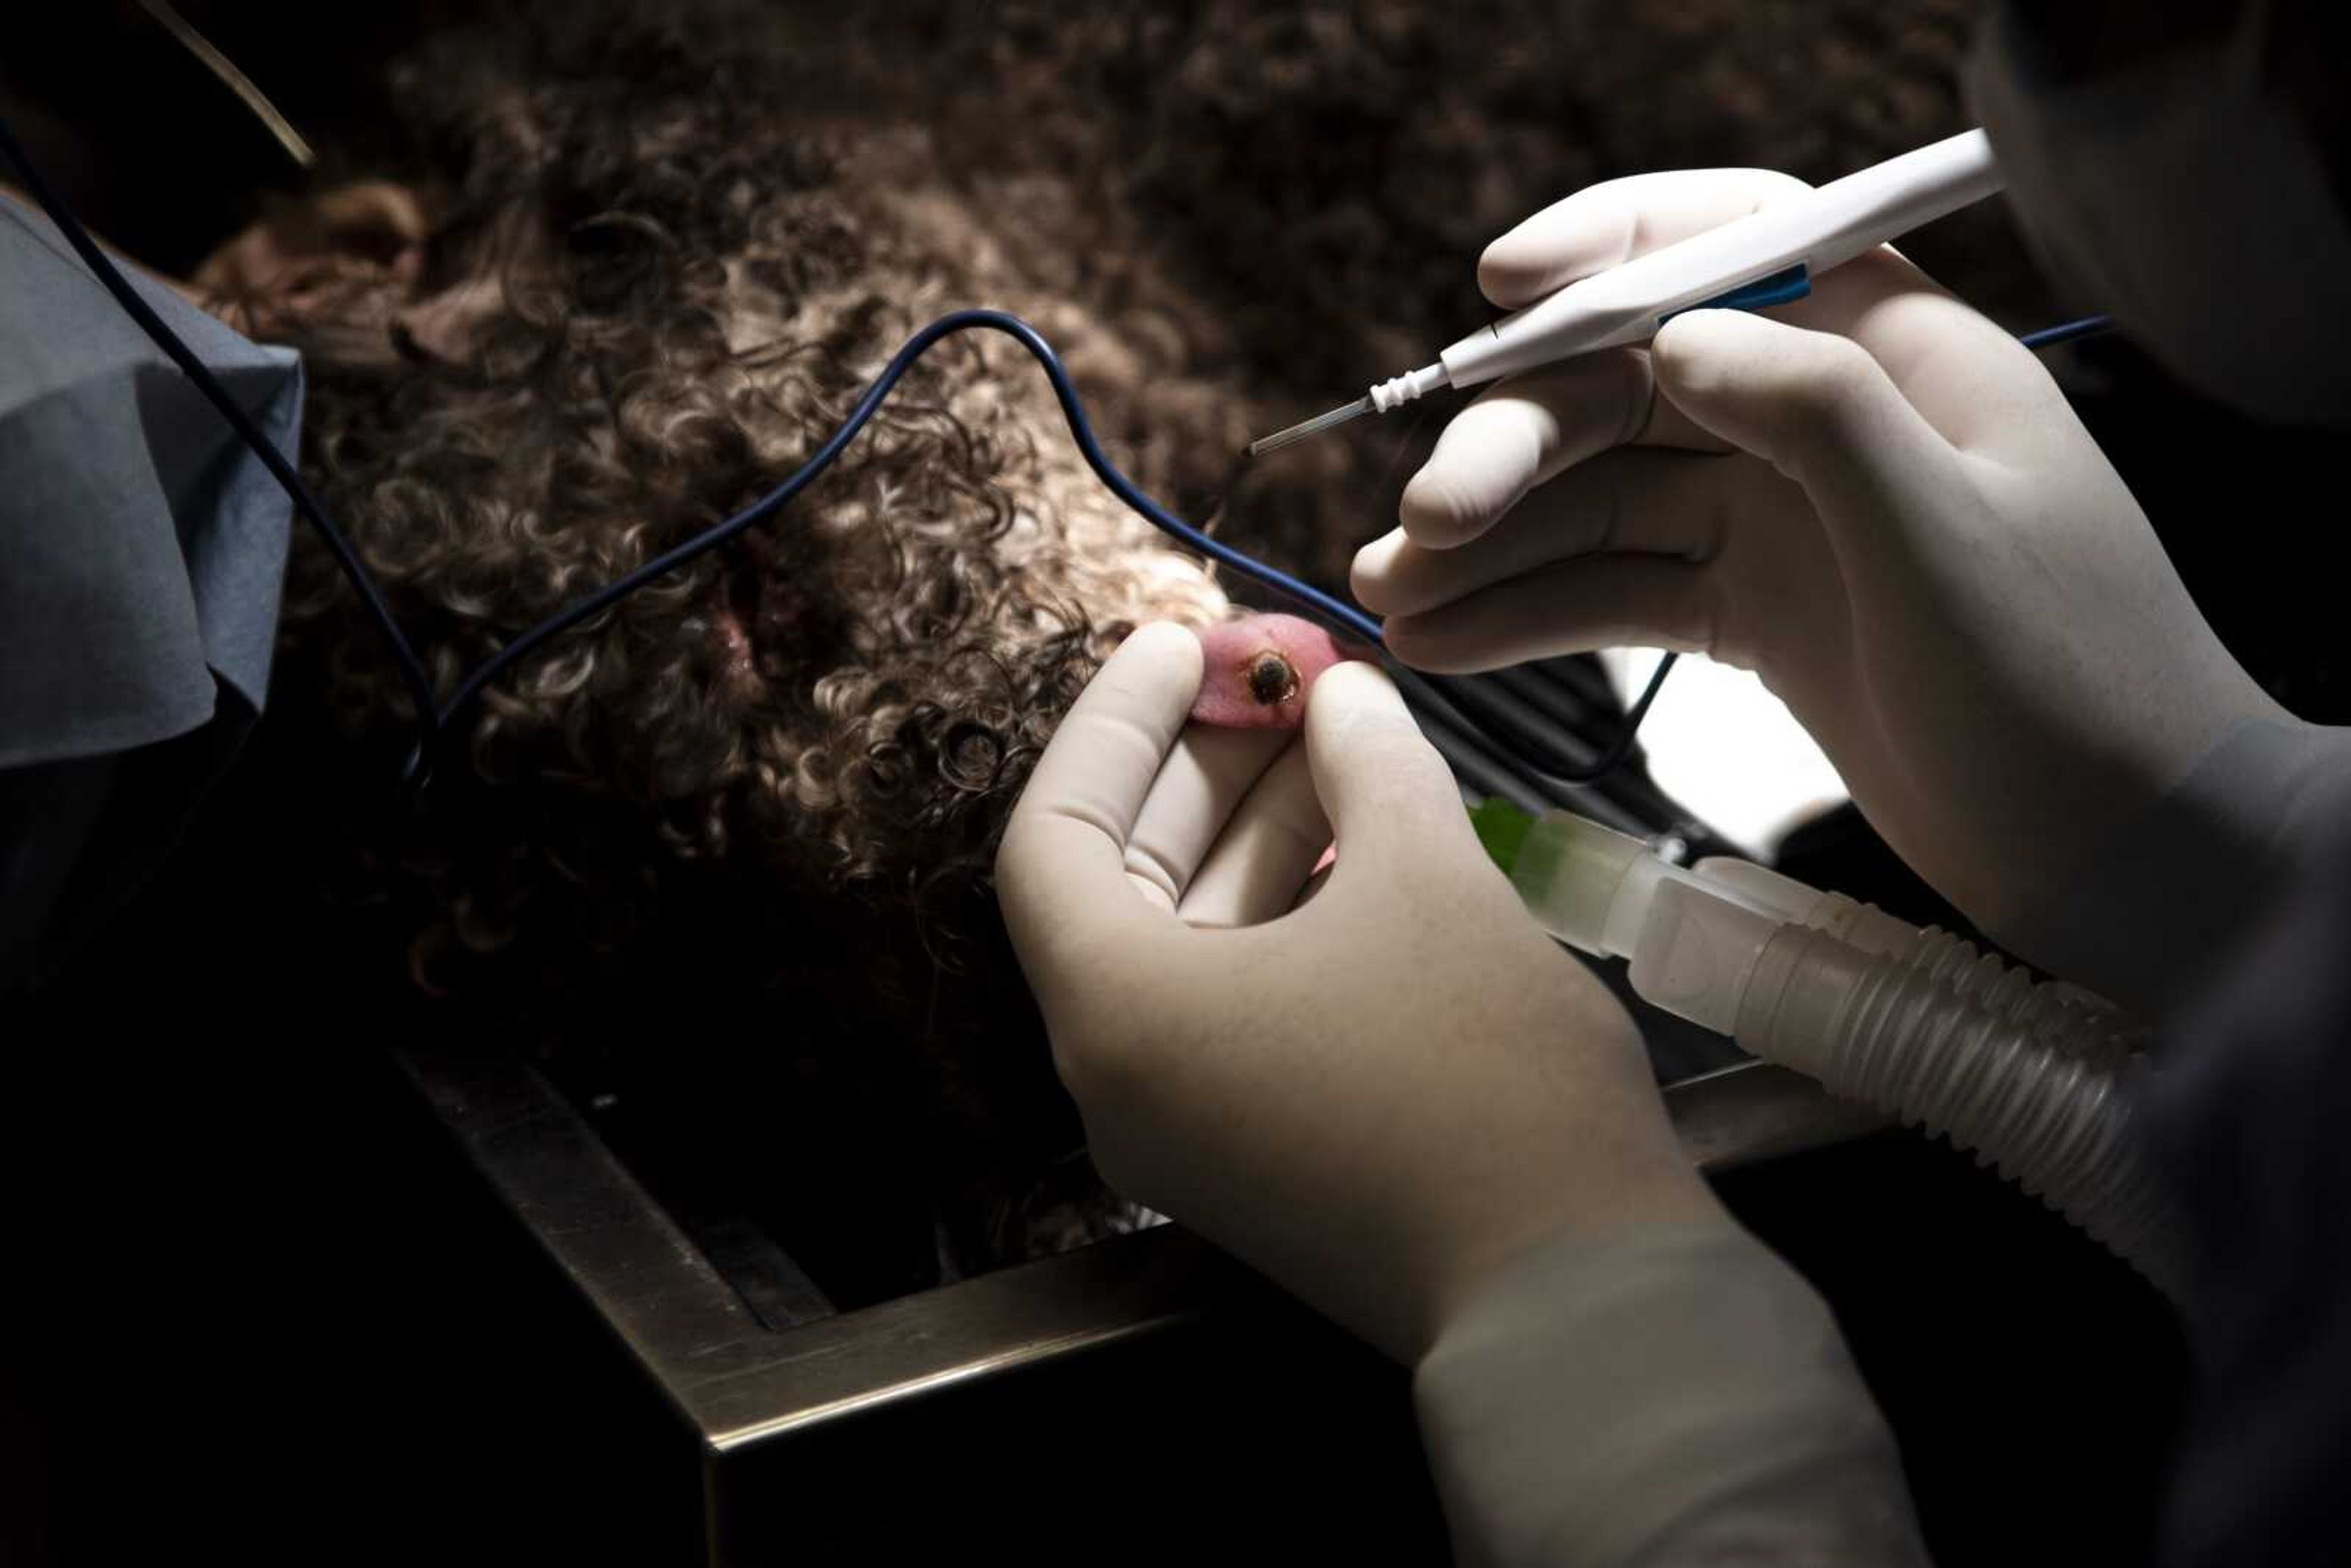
(1681,1399)
(2159,904)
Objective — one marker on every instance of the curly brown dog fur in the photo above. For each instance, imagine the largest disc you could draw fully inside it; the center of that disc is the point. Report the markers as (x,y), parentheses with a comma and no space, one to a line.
(637,267)
(772,782)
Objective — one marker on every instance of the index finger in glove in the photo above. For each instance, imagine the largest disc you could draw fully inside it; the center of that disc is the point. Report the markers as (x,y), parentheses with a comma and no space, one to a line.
(1062,868)
(1207,774)
(1605,224)
(1521,432)
(1525,431)
(1961,371)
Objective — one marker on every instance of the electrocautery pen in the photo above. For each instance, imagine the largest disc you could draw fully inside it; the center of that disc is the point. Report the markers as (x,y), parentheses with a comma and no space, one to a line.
(1768,257)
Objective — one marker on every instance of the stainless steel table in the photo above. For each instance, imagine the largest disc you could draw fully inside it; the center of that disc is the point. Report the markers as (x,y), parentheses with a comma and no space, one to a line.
(1147,1367)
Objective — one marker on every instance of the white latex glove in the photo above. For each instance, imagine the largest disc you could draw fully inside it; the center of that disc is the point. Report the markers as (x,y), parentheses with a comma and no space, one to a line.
(1374,1096)
(1913,541)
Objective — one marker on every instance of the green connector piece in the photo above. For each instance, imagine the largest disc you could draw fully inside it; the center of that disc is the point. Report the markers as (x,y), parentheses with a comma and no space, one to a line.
(1502,828)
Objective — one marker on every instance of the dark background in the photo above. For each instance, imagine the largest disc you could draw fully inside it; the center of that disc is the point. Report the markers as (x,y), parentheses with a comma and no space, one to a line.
(253,1304)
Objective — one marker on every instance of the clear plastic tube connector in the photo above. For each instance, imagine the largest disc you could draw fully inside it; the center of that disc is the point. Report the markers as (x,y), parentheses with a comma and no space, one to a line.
(2031,1078)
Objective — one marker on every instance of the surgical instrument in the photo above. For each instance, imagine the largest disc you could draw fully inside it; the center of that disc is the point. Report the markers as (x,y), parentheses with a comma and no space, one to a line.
(1768,257)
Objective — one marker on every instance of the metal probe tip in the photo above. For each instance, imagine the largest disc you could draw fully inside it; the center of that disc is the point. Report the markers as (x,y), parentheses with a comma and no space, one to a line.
(1315,426)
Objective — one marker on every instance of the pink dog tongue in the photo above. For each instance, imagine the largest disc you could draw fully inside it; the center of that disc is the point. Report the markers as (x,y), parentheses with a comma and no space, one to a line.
(1258,670)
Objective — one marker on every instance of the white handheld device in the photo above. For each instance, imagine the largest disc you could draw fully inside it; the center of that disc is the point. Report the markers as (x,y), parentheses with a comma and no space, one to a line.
(1768,257)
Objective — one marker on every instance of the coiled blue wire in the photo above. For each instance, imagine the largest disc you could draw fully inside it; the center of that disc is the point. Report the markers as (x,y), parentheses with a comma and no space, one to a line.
(1342,616)
(1336,612)
(435,717)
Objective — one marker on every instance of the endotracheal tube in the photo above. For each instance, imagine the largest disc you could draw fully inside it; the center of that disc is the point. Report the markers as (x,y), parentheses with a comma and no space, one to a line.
(2031,1078)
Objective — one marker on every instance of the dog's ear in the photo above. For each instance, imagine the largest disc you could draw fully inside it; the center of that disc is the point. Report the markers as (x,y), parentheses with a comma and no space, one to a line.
(371,223)
(324,269)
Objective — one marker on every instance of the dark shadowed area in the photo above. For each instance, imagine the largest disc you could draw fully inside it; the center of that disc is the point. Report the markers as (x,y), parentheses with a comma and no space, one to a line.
(719,863)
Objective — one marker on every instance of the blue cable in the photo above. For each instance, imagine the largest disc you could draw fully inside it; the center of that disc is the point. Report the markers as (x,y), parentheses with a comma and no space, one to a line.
(434,718)
(2066,333)
(1344,616)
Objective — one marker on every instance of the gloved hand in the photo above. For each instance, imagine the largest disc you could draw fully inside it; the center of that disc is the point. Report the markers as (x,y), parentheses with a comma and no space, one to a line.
(1912,540)
(1373,1097)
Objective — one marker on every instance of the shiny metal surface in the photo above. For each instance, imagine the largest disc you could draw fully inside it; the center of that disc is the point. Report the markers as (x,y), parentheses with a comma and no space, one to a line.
(1293,434)
(746,1393)
(738,1383)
